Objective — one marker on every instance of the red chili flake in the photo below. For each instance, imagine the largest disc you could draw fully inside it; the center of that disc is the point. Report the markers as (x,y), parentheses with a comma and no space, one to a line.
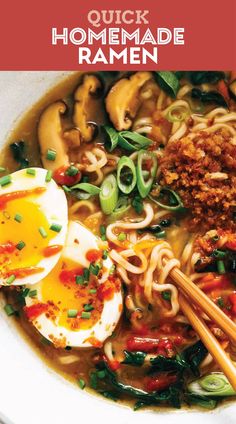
(34,311)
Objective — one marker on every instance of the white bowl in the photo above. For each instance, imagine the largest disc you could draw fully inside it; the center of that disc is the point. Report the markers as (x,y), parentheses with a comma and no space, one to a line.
(30,393)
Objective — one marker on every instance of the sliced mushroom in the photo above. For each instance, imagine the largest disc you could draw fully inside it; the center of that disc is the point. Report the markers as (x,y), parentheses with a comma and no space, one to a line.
(50,134)
(123,100)
(84,97)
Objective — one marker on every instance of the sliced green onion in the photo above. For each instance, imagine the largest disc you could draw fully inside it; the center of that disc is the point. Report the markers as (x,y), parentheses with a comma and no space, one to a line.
(51,154)
(168,82)
(55,227)
(79,279)
(176,207)
(5,180)
(48,176)
(87,187)
(72,171)
(93,380)
(133,141)
(126,175)
(32,293)
(43,232)
(10,279)
(9,309)
(220,302)
(219,254)
(109,194)
(220,267)
(103,232)
(93,291)
(111,136)
(31,171)
(18,218)
(2,169)
(72,313)
(105,254)
(121,237)
(20,245)
(94,269)
(86,315)
(112,269)
(214,384)
(81,383)
(144,185)
(121,208)
(88,307)
(66,189)
(86,274)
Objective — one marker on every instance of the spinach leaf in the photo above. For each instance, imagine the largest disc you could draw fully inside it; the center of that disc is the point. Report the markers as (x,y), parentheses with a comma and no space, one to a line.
(18,153)
(207,97)
(194,355)
(201,77)
(134,358)
(161,363)
(168,81)
(202,401)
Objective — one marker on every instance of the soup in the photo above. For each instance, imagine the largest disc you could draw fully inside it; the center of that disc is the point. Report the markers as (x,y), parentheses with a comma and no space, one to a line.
(108,184)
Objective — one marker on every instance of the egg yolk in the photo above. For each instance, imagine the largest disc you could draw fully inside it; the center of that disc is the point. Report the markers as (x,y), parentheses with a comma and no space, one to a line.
(21,243)
(61,292)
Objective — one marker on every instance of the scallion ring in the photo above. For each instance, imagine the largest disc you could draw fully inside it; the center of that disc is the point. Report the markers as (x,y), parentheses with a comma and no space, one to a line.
(121,208)
(176,114)
(126,175)
(146,172)
(178,205)
(214,384)
(84,191)
(132,141)
(109,194)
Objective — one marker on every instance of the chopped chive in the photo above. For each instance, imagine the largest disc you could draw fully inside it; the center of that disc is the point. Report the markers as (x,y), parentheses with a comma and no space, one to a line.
(51,154)
(10,279)
(121,237)
(31,171)
(48,176)
(94,269)
(56,227)
(220,267)
(43,232)
(93,291)
(2,169)
(88,307)
(81,383)
(32,293)
(102,230)
(86,315)
(72,171)
(105,254)
(79,279)
(20,245)
(166,295)
(5,180)
(86,274)
(9,309)
(101,374)
(18,218)
(72,313)
(66,189)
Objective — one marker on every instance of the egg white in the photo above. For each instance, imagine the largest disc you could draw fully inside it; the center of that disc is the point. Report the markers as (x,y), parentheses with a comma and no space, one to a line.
(53,204)
(112,309)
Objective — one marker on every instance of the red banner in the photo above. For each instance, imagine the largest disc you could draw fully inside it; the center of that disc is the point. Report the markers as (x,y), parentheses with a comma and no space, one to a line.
(183,34)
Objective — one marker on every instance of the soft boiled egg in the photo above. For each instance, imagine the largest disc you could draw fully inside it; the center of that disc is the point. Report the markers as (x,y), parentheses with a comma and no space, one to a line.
(33,226)
(80,302)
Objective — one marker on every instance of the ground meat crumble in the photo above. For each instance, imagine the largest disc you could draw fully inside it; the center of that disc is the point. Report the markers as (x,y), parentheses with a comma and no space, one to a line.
(203,172)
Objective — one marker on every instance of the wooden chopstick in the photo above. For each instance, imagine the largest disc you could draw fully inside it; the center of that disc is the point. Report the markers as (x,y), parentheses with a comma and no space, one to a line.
(209,341)
(204,303)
